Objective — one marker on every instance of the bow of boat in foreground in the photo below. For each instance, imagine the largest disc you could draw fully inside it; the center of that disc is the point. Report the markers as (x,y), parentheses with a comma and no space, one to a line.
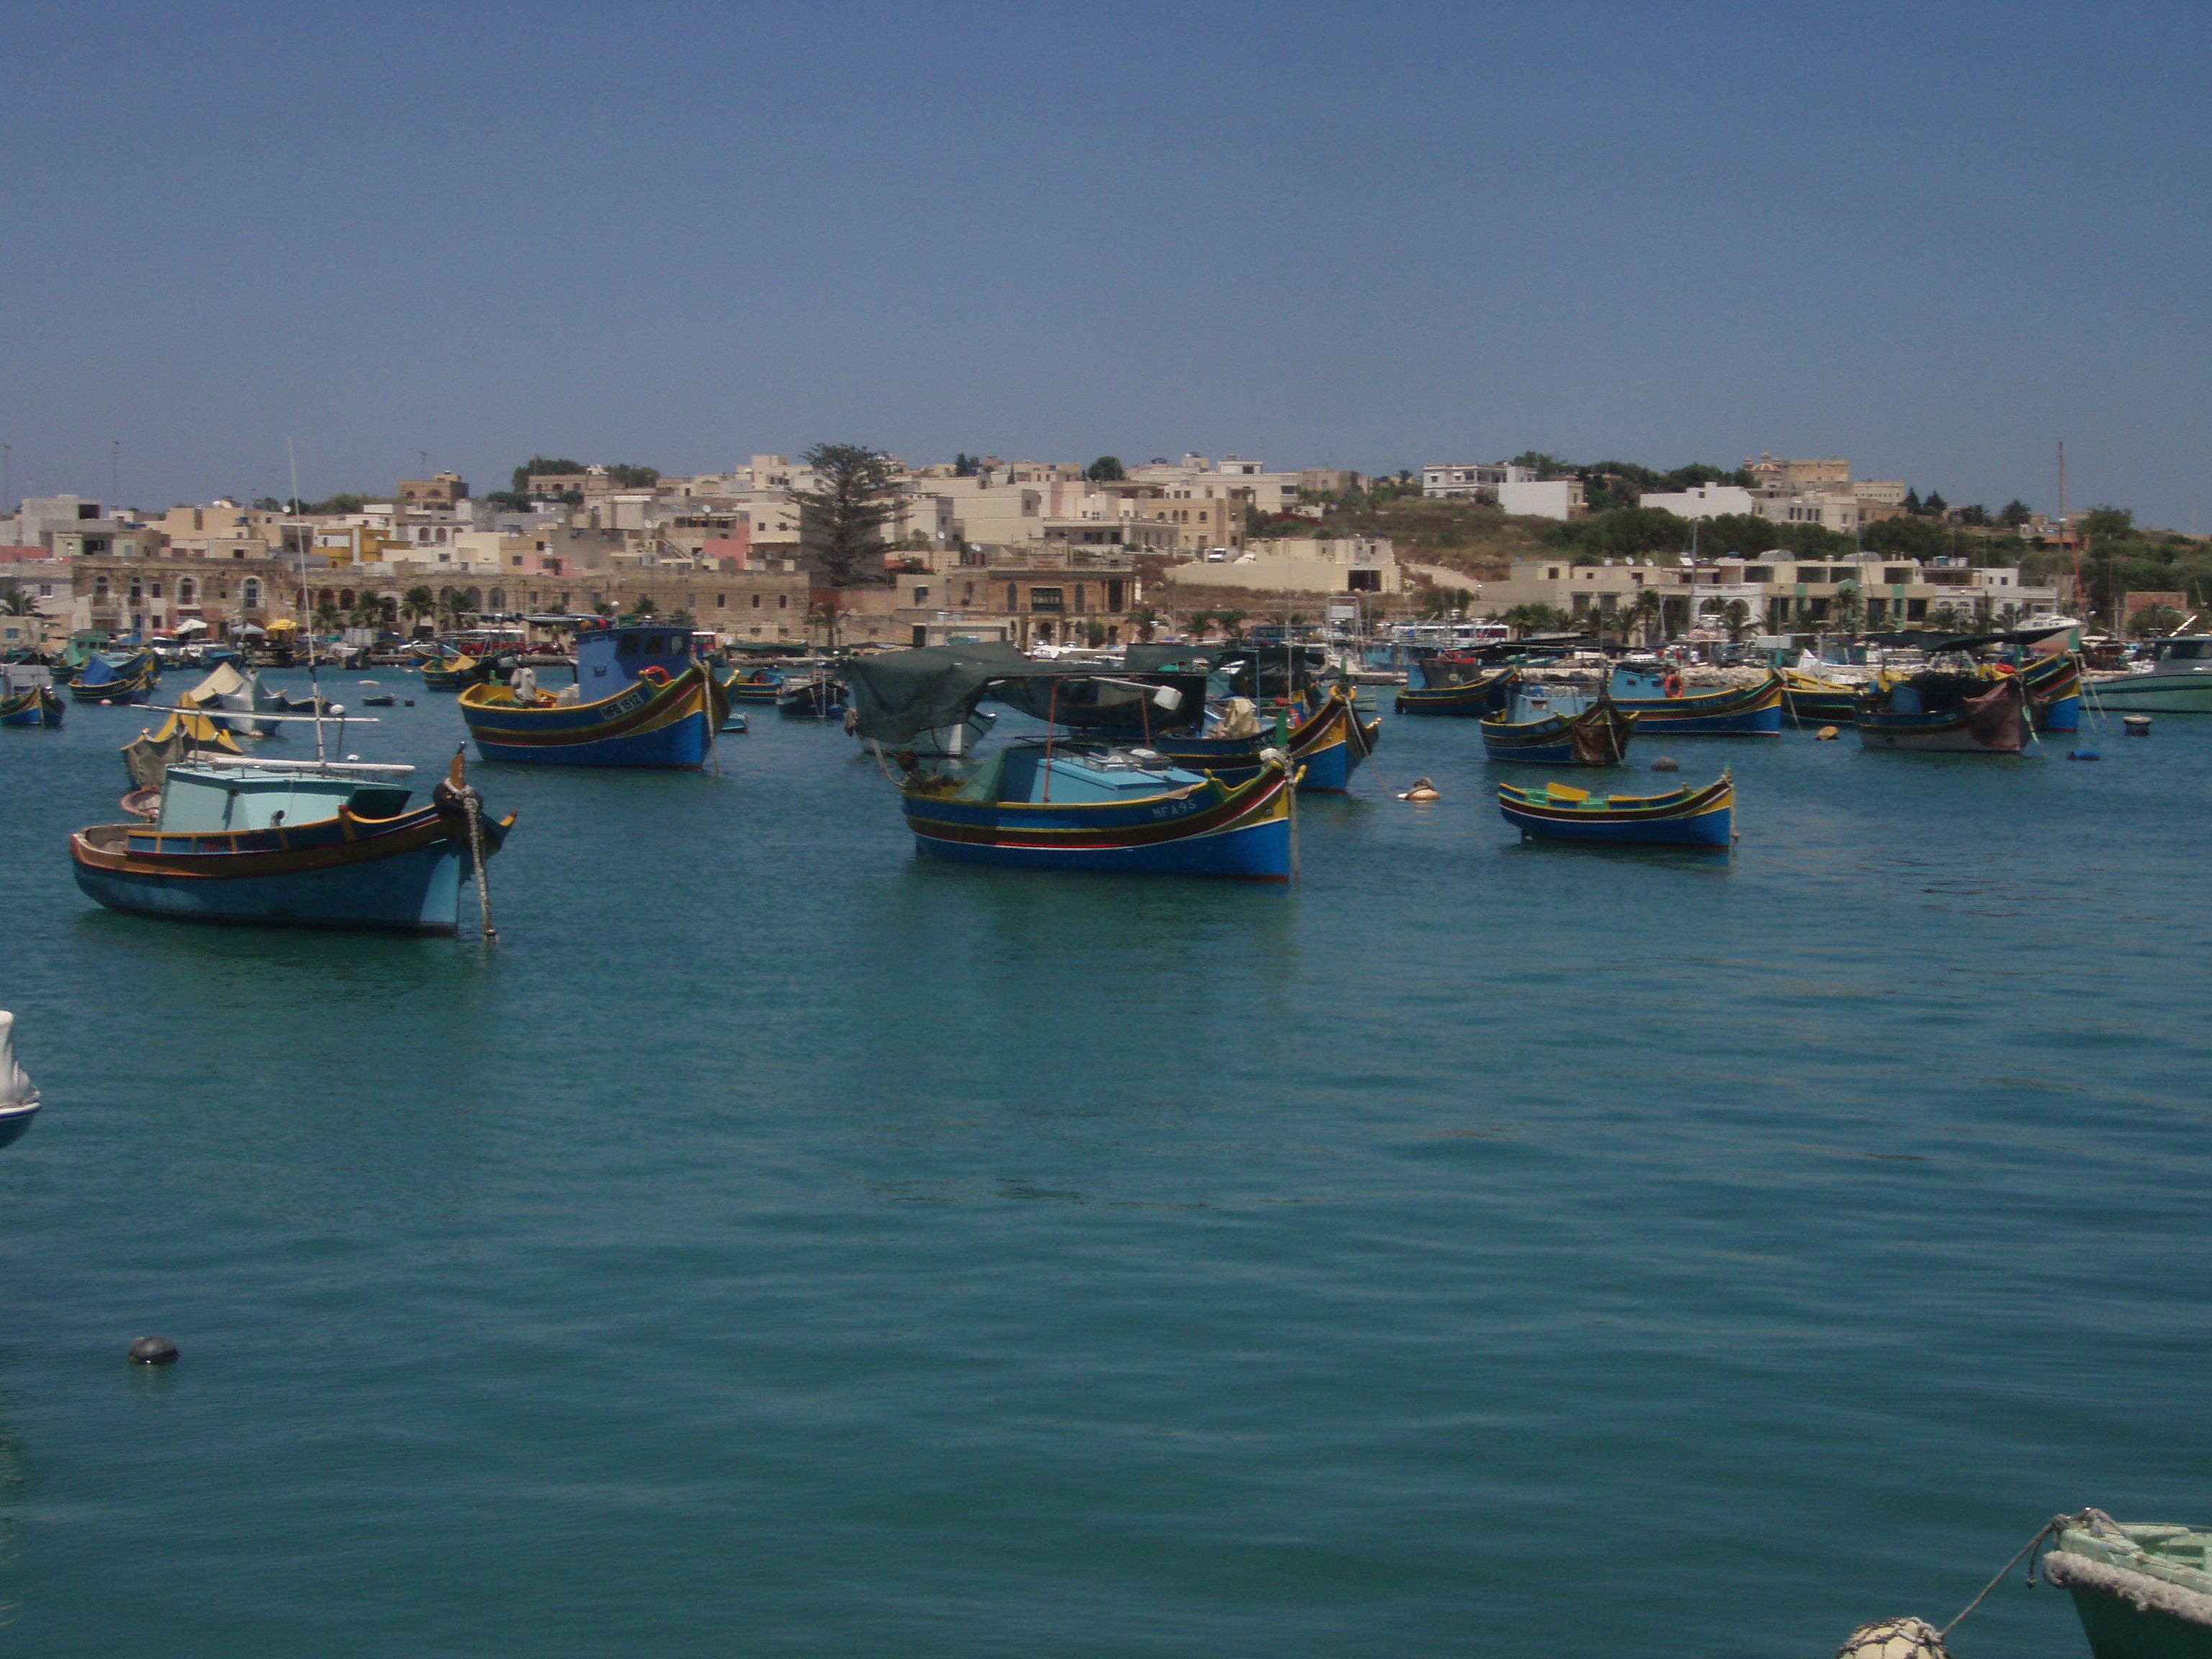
(2142,1591)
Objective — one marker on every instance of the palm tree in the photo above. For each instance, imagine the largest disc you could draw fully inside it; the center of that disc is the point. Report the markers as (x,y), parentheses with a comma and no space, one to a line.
(1643,613)
(644,607)
(327,616)
(453,613)
(368,611)
(418,603)
(1736,614)
(18,602)
(1232,624)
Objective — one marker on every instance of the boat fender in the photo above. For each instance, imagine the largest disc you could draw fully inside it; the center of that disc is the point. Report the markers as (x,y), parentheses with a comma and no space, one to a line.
(1894,1638)
(1672,685)
(654,672)
(1666,764)
(1423,790)
(1826,734)
(153,1350)
(2136,726)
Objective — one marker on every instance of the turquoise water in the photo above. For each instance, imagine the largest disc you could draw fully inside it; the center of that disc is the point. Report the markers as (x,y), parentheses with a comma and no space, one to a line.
(778,1246)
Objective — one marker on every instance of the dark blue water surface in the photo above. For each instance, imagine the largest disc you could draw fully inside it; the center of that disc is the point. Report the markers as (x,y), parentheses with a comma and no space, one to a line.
(780,1246)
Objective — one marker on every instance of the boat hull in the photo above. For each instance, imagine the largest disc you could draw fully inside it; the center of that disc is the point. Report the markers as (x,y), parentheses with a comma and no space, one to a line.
(1700,817)
(15,1122)
(1733,711)
(1328,744)
(2133,1603)
(2157,693)
(37,707)
(399,875)
(1595,737)
(1816,709)
(645,726)
(1469,701)
(1240,832)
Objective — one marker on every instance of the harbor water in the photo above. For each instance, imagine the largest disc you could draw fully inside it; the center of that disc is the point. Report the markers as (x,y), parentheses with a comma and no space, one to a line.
(776,1245)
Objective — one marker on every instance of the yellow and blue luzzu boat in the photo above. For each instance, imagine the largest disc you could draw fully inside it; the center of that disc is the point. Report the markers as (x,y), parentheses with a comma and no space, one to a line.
(1680,817)
(1325,745)
(31,702)
(102,679)
(1663,709)
(640,700)
(1537,731)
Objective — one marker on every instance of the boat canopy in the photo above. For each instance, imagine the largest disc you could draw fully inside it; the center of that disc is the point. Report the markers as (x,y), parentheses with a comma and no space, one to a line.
(1922,639)
(899,695)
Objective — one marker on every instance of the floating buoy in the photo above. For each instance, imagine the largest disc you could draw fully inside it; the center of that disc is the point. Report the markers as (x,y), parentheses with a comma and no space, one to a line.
(1422,790)
(410,702)
(1666,764)
(1894,1638)
(153,1350)
(1826,734)
(2083,754)
(2136,725)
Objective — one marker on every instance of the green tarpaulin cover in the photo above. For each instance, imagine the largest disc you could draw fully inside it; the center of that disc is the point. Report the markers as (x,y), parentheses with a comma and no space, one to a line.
(899,695)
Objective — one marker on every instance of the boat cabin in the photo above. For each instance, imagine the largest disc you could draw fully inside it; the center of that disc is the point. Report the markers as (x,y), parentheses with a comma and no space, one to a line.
(2191,649)
(610,659)
(210,799)
(1066,777)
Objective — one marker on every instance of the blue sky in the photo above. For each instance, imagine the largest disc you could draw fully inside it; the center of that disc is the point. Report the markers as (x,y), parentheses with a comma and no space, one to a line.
(1934,239)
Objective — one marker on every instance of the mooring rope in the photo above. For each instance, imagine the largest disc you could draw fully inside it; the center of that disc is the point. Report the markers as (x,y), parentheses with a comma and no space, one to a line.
(2057,1524)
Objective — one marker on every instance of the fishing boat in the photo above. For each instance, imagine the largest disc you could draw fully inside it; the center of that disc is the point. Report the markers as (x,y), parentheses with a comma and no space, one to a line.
(229,697)
(1815,700)
(457,673)
(19,1096)
(28,696)
(1460,686)
(1940,713)
(185,735)
(103,679)
(640,700)
(754,685)
(1326,743)
(294,844)
(2177,681)
(2053,684)
(1687,817)
(1055,803)
(1664,708)
(1537,731)
(2141,1591)
(815,697)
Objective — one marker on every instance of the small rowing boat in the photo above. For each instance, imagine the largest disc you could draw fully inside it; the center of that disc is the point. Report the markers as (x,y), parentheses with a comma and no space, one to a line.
(2142,1591)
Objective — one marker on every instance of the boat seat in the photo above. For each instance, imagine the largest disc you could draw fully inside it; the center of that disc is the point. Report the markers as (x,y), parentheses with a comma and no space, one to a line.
(1567,793)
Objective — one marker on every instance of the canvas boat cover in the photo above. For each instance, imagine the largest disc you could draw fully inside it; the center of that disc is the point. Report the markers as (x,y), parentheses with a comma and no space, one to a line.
(225,682)
(899,695)
(16,1089)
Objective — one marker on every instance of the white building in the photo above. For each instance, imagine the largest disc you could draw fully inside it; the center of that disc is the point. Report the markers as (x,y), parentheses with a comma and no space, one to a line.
(1704,501)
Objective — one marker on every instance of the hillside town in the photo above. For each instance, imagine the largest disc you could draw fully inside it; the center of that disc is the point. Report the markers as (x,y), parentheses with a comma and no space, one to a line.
(1032,553)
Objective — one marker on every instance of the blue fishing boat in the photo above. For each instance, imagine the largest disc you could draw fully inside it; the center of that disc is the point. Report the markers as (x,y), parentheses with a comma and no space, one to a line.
(1555,729)
(19,1096)
(640,700)
(294,844)
(457,671)
(1937,713)
(1053,803)
(1664,708)
(2054,691)
(1681,817)
(104,679)
(753,684)
(28,697)
(1465,687)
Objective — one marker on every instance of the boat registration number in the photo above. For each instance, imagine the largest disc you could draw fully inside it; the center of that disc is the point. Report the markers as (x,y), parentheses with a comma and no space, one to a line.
(629,703)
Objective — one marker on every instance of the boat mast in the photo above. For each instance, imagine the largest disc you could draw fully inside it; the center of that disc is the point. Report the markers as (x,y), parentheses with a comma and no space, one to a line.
(299,610)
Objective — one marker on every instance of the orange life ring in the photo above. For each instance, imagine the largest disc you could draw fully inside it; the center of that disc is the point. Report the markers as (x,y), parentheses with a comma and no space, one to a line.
(654,672)
(1672,685)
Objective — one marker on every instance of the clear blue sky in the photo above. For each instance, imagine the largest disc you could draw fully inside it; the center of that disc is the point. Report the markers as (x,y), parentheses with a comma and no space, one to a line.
(1933,239)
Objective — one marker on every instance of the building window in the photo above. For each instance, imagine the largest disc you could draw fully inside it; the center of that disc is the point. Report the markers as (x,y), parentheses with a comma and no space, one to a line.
(1045,599)
(922,596)
(783,601)
(721,602)
(755,601)
(249,595)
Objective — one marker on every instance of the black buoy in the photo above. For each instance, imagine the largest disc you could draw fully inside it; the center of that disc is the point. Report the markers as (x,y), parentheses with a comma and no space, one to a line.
(153,1350)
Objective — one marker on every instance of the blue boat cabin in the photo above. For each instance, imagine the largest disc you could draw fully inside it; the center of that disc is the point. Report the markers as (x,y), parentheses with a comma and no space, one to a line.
(610,660)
